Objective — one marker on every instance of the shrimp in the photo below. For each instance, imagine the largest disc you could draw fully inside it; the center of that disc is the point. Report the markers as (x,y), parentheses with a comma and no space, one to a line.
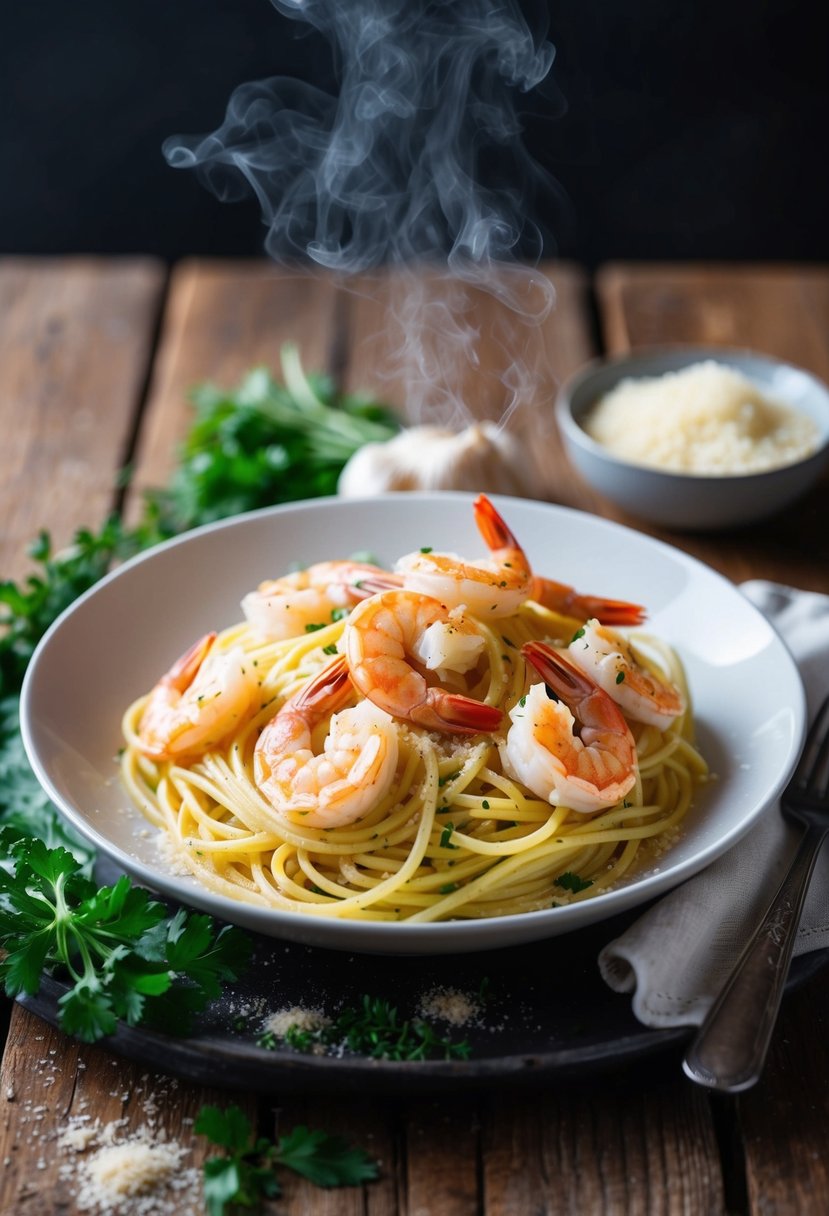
(608,658)
(491,588)
(576,752)
(196,703)
(561,598)
(353,772)
(383,635)
(498,587)
(284,607)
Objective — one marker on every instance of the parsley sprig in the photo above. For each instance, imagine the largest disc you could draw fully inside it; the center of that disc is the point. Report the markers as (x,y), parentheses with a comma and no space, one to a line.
(245,1173)
(119,948)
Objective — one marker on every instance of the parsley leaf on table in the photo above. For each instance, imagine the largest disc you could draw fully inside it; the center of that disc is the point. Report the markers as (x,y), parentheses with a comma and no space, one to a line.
(120,948)
(245,1174)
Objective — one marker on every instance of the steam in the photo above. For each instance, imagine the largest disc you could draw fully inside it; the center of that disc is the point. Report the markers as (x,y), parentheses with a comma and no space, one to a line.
(398,170)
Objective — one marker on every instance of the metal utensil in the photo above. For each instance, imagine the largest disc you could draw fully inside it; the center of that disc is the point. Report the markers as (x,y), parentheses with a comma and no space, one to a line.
(730,1048)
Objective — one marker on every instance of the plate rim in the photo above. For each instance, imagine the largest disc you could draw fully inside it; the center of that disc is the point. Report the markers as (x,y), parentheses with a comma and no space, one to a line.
(404,938)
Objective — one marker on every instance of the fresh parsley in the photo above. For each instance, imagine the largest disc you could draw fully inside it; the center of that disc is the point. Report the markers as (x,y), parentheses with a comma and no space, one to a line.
(572,882)
(374,1028)
(124,955)
(245,1173)
(28,609)
(266,443)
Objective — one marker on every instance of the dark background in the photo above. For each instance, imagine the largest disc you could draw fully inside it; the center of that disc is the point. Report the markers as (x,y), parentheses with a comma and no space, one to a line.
(691,130)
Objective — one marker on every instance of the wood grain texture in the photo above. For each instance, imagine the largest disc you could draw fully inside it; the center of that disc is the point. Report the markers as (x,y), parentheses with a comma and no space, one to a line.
(608,1149)
(52,1086)
(75,342)
(222,319)
(777,310)
(784,1122)
(643,1147)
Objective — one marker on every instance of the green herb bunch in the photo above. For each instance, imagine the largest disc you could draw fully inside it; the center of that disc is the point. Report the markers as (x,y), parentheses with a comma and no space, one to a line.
(265,443)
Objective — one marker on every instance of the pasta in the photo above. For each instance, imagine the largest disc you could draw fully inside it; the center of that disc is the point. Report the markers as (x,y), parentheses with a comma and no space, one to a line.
(453,832)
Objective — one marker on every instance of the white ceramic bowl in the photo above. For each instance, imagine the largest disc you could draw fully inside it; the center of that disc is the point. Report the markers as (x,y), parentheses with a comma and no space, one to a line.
(685,500)
(113,643)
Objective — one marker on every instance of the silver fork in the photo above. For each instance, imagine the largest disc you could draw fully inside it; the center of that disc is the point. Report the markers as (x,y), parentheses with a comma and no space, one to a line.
(730,1048)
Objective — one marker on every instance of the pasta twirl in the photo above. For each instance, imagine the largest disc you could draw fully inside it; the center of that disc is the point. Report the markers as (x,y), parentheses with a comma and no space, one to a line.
(454,835)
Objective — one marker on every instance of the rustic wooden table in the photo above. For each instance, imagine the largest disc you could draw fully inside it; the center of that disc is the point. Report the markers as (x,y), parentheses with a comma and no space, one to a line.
(96,357)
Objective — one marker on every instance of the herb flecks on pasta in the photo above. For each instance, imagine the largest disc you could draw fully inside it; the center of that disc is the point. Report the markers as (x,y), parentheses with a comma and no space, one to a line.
(451,739)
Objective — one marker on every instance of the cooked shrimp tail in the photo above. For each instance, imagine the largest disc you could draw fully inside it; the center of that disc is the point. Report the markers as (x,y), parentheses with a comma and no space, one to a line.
(493,527)
(456,714)
(496,586)
(575,751)
(561,598)
(327,691)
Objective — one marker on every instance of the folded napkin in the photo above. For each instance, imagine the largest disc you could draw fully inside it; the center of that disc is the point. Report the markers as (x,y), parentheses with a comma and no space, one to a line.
(677,956)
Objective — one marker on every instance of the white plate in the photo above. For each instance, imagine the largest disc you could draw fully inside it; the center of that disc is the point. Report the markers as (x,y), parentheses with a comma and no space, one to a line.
(111,645)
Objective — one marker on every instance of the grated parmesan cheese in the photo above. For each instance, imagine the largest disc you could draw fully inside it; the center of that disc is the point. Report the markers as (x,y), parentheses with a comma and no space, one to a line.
(707,419)
(296,1018)
(449,1005)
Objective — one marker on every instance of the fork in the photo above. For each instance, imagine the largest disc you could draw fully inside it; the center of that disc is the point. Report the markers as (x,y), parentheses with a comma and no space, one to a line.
(730,1048)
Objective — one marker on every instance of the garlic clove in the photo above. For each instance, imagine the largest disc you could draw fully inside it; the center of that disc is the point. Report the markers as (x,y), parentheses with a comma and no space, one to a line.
(482,457)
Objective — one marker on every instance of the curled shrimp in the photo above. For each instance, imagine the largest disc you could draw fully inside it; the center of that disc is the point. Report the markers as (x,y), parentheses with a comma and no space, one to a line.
(608,658)
(577,751)
(284,607)
(498,586)
(196,703)
(386,633)
(354,771)
(493,587)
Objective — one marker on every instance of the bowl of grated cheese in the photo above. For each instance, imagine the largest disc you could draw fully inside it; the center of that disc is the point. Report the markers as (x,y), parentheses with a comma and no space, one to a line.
(696,437)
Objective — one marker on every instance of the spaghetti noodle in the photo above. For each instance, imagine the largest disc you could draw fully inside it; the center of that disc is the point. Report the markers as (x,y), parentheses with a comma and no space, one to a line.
(453,834)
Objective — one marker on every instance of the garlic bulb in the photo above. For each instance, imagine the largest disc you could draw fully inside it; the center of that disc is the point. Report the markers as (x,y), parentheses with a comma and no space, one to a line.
(482,458)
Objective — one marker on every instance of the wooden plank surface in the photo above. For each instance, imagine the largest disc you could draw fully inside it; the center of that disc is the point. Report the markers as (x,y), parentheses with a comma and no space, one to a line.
(637,1142)
(76,337)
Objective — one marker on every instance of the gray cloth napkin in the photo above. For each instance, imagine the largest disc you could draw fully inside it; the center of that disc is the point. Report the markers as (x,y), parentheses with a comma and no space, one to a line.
(677,956)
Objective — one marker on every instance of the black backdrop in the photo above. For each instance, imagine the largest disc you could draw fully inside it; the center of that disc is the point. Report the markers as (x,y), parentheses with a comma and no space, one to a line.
(691,129)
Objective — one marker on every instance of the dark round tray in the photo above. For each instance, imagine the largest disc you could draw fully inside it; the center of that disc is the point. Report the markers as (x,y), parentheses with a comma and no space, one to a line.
(546,1013)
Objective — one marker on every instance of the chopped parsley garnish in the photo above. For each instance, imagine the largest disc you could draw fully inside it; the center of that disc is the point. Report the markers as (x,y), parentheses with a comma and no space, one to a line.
(449,777)
(620,677)
(338,614)
(374,1028)
(578,634)
(448,888)
(485,804)
(314,626)
(572,882)
(331,648)
(446,837)
(523,701)
(245,1173)
(426,549)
